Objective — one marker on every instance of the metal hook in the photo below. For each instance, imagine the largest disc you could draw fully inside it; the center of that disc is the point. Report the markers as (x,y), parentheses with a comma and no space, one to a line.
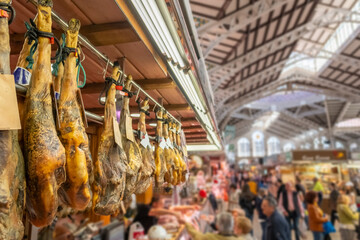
(137,95)
(106,67)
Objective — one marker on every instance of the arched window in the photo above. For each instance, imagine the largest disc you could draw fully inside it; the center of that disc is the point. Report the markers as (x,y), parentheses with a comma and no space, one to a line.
(273,146)
(288,147)
(243,146)
(339,145)
(325,142)
(353,147)
(258,144)
(316,143)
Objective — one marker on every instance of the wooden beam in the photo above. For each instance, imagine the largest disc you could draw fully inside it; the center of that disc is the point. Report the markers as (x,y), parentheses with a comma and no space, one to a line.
(109,33)
(146,84)
(151,84)
(135,109)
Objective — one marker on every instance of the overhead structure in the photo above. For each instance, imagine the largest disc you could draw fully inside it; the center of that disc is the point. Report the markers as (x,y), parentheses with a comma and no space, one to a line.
(258,51)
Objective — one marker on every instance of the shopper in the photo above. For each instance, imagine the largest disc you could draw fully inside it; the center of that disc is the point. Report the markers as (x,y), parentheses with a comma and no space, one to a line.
(277,228)
(316,215)
(247,201)
(350,192)
(234,197)
(262,217)
(334,194)
(243,227)
(224,224)
(280,188)
(300,188)
(291,206)
(347,218)
(318,187)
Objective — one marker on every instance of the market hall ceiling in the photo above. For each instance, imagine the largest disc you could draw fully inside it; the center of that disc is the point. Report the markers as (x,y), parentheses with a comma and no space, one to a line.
(253,49)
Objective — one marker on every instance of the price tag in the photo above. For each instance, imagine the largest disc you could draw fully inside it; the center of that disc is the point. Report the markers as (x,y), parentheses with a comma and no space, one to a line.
(162,143)
(117,134)
(145,141)
(9,109)
(169,143)
(129,130)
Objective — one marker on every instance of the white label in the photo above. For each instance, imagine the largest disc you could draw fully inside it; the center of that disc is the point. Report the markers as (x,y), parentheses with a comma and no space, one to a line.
(169,143)
(145,141)
(162,143)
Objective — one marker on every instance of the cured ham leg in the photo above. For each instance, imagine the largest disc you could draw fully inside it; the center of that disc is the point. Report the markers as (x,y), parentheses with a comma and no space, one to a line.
(183,168)
(44,153)
(146,151)
(75,191)
(177,158)
(132,150)
(168,152)
(110,165)
(12,169)
(159,151)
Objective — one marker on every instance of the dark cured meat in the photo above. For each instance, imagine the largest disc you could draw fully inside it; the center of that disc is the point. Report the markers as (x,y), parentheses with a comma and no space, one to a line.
(44,153)
(147,154)
(132,150)
(12,169)
(75,192)
(110,166)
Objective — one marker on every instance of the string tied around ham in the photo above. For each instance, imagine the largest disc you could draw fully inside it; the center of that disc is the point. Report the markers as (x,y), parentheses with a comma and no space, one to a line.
(5,9)
(59,59)
(144,110)
(33,33)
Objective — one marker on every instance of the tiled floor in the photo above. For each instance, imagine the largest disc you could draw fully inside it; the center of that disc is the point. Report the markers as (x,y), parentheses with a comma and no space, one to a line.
(258,232)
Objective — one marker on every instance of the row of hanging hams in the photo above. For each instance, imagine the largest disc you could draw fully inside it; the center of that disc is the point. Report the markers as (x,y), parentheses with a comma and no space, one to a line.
(55,167)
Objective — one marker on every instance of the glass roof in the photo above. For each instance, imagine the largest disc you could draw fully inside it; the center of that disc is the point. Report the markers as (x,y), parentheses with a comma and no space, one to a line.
(335,42)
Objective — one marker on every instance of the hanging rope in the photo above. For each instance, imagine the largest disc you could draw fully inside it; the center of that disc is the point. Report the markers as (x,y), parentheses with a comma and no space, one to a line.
(108,82)
(5,9)
(59,59)
(33,33)
(78,62)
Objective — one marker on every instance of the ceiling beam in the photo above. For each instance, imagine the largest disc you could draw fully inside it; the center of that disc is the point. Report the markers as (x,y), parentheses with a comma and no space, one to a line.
(145,84)
(133,109)
(342,113)
(291,76)
(238,20)
(109,33)
(98,34)
(336,15)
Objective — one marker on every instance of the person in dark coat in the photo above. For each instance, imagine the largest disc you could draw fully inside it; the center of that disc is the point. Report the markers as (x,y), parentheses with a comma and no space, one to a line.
(262,217)
(247,201)
(277,228)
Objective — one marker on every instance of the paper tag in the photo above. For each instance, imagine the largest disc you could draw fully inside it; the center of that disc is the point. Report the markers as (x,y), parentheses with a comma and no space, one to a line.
(169,144)
(22,76)
(162,143)
(129,130)
(10,118)
(145,141)
(117,134)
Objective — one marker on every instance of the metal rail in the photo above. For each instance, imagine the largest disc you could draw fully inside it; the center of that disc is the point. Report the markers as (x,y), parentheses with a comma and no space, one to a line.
(86,43)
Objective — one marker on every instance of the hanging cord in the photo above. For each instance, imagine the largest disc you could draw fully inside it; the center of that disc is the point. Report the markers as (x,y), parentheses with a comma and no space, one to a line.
(108,82)
(5,9)
(78,62)
(147,113)
(33,33)
(59,59)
